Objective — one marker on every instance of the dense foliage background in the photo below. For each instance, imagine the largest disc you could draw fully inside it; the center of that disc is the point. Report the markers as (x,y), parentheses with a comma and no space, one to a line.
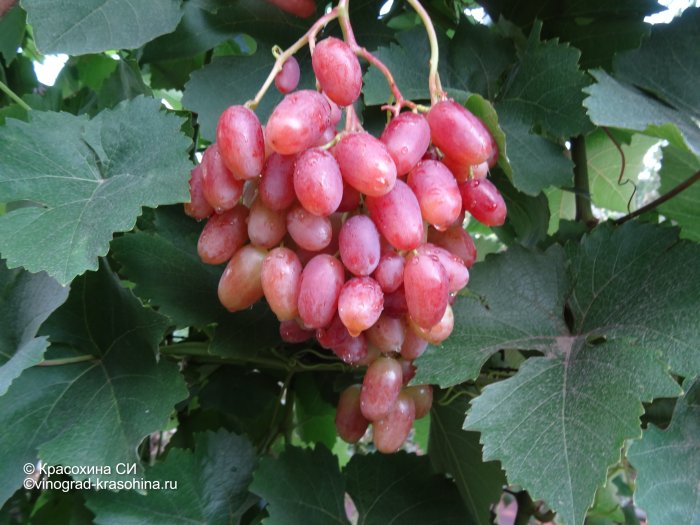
(114,348)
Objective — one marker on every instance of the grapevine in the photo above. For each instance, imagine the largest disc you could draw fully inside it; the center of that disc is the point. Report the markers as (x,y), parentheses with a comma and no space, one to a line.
(353,240)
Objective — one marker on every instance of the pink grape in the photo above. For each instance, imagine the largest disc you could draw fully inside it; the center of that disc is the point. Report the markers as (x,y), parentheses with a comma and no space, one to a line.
(359,245)
(221,189)
(198,207)
(426,285)
(223,235)
(387,334)
(408,370)
(457,241)
(398,217)
(266,227)
(338,71)
(413,346)
(406,138)
(309,231)
(352,350)
(422,396)
(240,286)
(389,271)
(464,172)
(440,331)
(391,431)
(459,134)
(365,164)
(372,354)
(276,188)
(437,193)
(457,272)
(321,281)
(336,112)
(287,79)
(240,142)
(483,200)
(280,277)
(291,332)
(380,388)
(360,304)
(318,183)
(300,8)
(349,421)
(298,122)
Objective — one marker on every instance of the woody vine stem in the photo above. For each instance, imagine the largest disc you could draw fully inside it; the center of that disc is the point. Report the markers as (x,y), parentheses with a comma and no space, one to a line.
(342,13)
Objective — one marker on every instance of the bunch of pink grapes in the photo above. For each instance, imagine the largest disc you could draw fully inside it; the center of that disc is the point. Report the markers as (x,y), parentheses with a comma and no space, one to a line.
(353,240)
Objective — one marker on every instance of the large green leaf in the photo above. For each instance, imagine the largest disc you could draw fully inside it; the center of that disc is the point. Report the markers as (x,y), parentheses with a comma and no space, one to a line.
(678,166)
(639,282)
(545,88)
(89,179)
(401,488)
(212,486)
(668,464)
(528,217)
(457,452)
(604,165)
(164,254)
(302,487)
(26,300)
(97,411)
(561,420)
(77,27)
(514,300)
(12,26)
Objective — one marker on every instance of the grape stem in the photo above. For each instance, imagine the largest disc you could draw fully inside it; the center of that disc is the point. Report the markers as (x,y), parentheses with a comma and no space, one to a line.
(308,38)
(15,98)
(434,85)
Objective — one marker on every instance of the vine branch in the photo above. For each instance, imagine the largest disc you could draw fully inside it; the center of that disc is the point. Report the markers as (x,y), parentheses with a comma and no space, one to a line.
(663,198)
(584,213)
(14,97)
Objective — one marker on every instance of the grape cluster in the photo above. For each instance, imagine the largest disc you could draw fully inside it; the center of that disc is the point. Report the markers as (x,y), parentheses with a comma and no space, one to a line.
(352,239)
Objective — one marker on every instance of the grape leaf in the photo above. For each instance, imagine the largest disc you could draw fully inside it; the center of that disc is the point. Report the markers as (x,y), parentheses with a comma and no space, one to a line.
(157,257)
(604,163)
(77,27)
(315,416)
(514,300)
(458,453)
(96,411)
(233,80)
(536,162)
(667,64)
(679,165)
(562,206)
(401,488)
(12,26)
(545,88)
(301,486)
(89,179)
(26,300)
(562,420)
(528,217)
(617,273)
(668,464)
(247,333)
(212,485)
(617,104)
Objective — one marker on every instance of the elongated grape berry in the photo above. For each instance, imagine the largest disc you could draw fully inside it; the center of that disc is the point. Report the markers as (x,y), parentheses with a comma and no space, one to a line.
(266,227)
(240,141)
(457,241)
(380,388)
(291,332)
(223,235)
(349,421)
(240,286)
(298,122)
(422,397)
(309,231)
(360,304)
(483,200)
(437,193)
(426,285)
(387,334)
(321,281)
(276,188)
(406,138)
(338,71)
(287,79)
(365,164)
(391,431)
(280,277)
(398,217)
(359,245)
(300,8)
(459,134)
(318,183)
